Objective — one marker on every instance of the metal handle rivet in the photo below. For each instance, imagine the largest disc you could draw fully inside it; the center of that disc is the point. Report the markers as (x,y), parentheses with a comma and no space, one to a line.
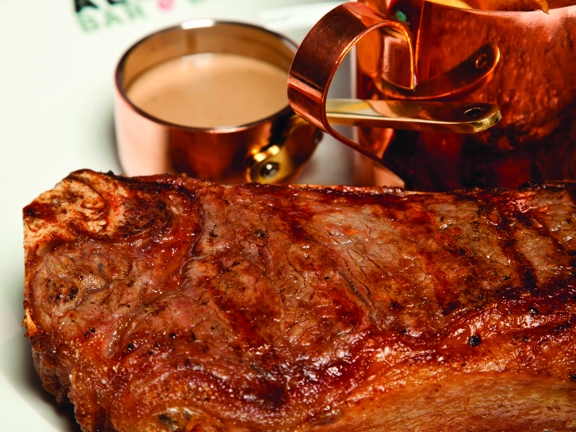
(270,170)
(471,112)
(481,61)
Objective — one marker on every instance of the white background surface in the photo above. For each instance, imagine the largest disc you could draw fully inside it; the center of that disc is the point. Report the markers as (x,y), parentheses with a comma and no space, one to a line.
(56,117)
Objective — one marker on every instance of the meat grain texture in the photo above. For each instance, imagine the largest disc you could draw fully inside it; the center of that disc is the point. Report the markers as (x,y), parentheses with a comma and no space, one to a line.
(169,304)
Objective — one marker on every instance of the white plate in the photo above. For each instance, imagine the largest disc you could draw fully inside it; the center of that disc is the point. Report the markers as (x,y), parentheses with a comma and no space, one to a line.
(56,116)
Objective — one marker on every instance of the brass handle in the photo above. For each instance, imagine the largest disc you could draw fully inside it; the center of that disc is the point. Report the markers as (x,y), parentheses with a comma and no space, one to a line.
(464,118)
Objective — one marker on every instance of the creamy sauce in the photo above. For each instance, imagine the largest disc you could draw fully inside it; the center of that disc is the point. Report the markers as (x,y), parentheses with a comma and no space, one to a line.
(211,90)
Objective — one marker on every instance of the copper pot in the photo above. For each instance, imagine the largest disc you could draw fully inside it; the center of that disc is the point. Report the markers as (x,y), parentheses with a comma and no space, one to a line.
(523,61)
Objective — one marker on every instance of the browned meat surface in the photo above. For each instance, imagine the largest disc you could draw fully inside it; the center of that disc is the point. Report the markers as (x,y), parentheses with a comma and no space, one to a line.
(165,304)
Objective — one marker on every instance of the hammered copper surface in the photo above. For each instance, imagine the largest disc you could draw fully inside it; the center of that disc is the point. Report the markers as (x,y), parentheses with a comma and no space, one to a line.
(534,85)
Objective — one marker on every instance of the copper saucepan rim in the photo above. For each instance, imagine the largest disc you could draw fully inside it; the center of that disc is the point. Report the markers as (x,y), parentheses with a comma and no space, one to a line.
(192,26)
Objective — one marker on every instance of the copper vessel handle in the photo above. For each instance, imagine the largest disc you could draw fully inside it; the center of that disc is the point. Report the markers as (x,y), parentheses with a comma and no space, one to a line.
(463,78)
(321,53)
(331,39)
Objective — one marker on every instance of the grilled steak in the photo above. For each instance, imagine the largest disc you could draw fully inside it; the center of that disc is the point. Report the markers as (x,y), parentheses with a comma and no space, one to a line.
(166,303)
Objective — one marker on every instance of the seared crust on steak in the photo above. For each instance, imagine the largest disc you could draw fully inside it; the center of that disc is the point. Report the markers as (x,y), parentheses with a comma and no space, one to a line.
(166,303)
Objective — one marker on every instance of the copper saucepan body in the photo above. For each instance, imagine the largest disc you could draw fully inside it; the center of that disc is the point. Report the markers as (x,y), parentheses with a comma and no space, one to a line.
(268,150)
